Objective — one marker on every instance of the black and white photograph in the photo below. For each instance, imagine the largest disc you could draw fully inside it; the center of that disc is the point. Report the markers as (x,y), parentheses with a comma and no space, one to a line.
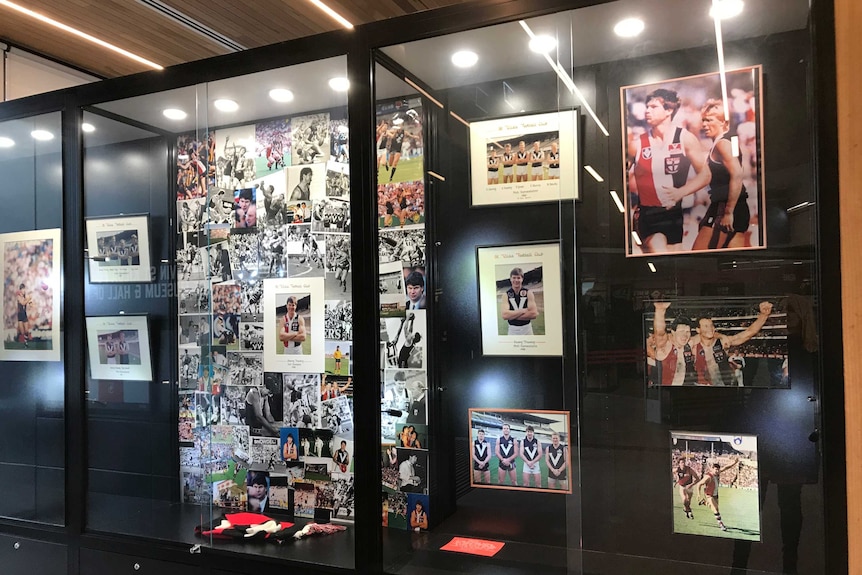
(251,336)
(694,146)
(265,454)
(522,159)
(218,257)
(192,262)
(306,258)
(337,415)
(331,215)
(305,184)
(343,506)
(235,151)
(273,251)
(339,137)
(403,340)
(406,246)
(338,320)
(412,470)
(520,294)
(118,249)
(119,348)
(393,296)
(403,393)
(310,139)
(245,368)
(315,443)
(244,250)
(251,293)
(301,400)
(232,404)
(726,342)
(220,206)
(293,318)
(193,297)
(190,215)
(190,361)
(271,200)
(337,180)
(195,330)
(338,262)
(264,407)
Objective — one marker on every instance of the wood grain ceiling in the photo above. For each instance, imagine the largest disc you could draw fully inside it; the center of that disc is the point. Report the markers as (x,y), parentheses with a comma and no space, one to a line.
(135,27)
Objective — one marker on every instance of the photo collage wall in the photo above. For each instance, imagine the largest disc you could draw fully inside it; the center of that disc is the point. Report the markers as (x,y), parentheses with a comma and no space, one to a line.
(403,293)
(266,317)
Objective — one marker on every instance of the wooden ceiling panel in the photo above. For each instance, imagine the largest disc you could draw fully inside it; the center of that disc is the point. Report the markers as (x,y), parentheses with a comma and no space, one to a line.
(131,25)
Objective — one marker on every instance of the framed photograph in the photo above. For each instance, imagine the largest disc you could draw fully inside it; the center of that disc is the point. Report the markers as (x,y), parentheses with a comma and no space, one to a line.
(293,322)
(710,467)
(119,249)
(733,342)
(31,280)
(694,164)
(520,450)
(520,299)
(119,347)
(522,159)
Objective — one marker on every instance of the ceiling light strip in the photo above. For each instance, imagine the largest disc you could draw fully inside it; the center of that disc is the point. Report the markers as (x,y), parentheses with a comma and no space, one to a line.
(333,14)
(193,25)
(570,84)
(436,175)
(617,201)
(80,34)
(423,92)
(459,118)
(719,45)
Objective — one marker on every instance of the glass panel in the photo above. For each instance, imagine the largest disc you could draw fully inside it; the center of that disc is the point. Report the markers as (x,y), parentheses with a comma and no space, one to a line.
(31,401)
(259,416)
(690,252)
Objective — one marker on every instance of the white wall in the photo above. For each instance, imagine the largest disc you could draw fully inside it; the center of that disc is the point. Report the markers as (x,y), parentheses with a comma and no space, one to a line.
(24,74)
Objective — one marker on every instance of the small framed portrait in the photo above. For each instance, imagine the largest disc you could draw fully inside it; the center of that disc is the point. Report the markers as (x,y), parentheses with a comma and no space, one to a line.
(706,467)
(520,450)
(693,164)
(119,347)
(523,159)
(293,317)
(31,295)
(520,299)
(118,249)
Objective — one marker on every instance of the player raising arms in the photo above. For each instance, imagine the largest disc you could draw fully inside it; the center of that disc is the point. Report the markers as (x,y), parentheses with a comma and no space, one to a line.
(685,479)
(293,331)
(708,489)
(25,301)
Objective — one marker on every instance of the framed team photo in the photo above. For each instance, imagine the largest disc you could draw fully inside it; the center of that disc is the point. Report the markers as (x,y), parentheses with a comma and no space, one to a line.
(119,347)
(715,485)
(520,450)
(31,295)
(731,342)
(294,325)
(119,249)
(693,164)
(520,299)
(523,159)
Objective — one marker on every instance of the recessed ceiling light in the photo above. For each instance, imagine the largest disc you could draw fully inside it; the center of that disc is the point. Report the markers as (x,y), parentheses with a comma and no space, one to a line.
(339,84)
(225,105)
(629,28)
(42,135)
(465,58)
(723,9)
(281,95)
(542,44)
(6,142)
(174,114)
(88,127)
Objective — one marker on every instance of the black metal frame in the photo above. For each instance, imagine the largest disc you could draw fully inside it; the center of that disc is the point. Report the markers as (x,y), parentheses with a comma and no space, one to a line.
(359,45)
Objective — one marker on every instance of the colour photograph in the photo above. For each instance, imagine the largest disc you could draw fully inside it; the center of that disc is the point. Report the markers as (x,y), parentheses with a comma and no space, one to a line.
(119,249)
(693,164)
(119,347)
(293,320)
(710,467)
(520,450)
(400,145)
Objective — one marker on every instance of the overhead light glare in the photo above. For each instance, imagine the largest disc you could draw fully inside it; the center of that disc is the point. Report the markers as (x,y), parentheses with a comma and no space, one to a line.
(636,238)
(174,114)
(226,105)
(724,9)
(465,58)
(281,95)
(42,135)
(88,128)
(6,142)
(593,173)
(542,44)
(617,201)
(80,34)
(339,84)
(333,14)
(629,28)
(651,267)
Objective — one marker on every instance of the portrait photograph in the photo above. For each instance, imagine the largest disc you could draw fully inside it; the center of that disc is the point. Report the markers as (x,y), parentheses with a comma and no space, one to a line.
(293,320)
(306,183)
(31,279)
(118,249)
(731,342)
(523,159)
(520,299)
(693,165)
(119,347)
(715,485)
(400,140)
(520,450)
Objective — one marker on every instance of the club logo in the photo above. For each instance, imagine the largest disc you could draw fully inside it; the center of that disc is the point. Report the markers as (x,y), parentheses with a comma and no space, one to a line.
(646,153)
